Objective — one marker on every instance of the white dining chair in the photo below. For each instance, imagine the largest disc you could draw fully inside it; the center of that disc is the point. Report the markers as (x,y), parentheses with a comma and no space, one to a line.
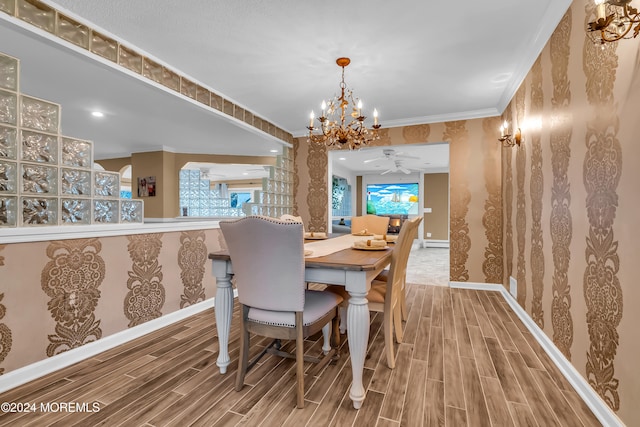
(267,256)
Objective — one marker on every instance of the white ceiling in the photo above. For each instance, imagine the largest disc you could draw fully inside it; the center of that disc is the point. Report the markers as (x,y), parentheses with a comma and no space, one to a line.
(415,61)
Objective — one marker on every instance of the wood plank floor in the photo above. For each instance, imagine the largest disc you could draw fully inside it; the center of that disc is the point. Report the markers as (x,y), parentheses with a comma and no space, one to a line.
(466,360)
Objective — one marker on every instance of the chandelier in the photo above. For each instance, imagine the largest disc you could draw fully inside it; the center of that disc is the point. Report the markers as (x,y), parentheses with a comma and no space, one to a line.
(342,122)
(614,21)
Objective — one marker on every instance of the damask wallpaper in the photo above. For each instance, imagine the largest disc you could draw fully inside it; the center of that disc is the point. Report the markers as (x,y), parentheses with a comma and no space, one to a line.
(70,290)
(575,192)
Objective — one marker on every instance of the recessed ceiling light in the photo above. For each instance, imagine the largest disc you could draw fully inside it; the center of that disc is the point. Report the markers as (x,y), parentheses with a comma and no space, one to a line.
(245,173)
(97,114)
(273,151)
(342,158)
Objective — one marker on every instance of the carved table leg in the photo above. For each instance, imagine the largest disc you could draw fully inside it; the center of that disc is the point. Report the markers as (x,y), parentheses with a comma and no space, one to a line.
(358,332)
(224,311)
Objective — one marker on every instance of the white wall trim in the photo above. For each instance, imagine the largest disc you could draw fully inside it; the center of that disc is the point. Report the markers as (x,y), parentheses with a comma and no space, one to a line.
(430,243)
(599,408)
(44,367)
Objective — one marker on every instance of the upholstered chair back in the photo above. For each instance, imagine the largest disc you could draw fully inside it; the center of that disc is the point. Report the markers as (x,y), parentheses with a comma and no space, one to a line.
(372,223)
(268,262)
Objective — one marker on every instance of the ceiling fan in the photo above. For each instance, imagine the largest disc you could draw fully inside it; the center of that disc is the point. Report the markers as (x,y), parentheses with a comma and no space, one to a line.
(397,167)
(390,154)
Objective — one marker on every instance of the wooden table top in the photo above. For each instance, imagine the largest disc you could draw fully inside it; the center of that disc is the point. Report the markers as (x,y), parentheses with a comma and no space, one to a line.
(346,259)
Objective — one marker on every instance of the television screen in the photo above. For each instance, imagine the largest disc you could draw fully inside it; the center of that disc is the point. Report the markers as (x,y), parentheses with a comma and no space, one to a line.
(392,199)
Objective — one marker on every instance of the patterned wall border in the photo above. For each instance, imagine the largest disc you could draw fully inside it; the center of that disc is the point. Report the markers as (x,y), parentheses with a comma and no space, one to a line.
(602,169)
(536,189)
(146,295)
(507,156)
(521,215)
(6,339)
(416,134)
(72,279)
(296,176)
(492,218)
(460,243)
(192,257)
(317,193)
(65,28)
(561,222)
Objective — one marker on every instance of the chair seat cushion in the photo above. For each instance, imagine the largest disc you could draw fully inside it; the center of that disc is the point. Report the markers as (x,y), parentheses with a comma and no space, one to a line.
(316,305)
(376,293)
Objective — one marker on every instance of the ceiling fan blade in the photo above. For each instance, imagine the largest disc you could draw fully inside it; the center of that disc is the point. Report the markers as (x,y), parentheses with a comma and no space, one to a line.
(404,156)
(374,160)
(405,170)
(387,171)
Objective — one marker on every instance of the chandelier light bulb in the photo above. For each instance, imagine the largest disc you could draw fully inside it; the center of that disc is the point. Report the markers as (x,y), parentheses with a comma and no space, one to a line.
(375,117)
(311,117)
(323,107)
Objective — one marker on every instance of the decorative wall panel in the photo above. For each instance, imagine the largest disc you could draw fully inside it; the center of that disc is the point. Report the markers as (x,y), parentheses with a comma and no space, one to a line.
(192,257)
(460,242)
(146,295)
(71,280)
(317,196)
(536,189)
(602,171)
(492,266)
(521,214)
(561,222)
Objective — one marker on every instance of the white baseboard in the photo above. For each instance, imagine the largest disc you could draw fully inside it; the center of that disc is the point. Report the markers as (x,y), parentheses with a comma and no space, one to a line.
(43,367)
(428,243)
(599,408)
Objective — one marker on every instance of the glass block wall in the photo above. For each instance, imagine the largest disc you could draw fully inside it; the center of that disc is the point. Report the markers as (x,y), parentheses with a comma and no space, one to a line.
(276,198)
(47,178)
(197,198)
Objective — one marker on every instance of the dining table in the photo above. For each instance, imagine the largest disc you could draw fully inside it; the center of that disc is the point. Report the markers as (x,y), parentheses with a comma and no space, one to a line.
(331,260)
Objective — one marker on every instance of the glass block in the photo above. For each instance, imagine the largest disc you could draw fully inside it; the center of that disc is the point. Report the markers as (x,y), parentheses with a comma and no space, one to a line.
(104,46)
(39,115)
(8,142)
(37,13)
(130,59)
(8,177)
(8,107)
(73,31)
(106,211)
(238,113)
(195,174)
(228,107)
(170,79)
(184,174)
(202,95)
(38,147)
(248,117)
(39,179)
(216,101)
(8,6)
(39,211)
(75,182)
(8,73)
(8,211)
(188,88)
(131,211)
(75,211)
(76,153)
(106,184)
(152,70)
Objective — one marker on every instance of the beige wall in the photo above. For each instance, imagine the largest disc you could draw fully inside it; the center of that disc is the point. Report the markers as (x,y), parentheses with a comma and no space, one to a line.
(436,197)
(571,206)
(78,291)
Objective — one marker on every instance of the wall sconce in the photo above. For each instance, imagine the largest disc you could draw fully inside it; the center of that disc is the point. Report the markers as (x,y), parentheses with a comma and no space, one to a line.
(507,138)
(614,21)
